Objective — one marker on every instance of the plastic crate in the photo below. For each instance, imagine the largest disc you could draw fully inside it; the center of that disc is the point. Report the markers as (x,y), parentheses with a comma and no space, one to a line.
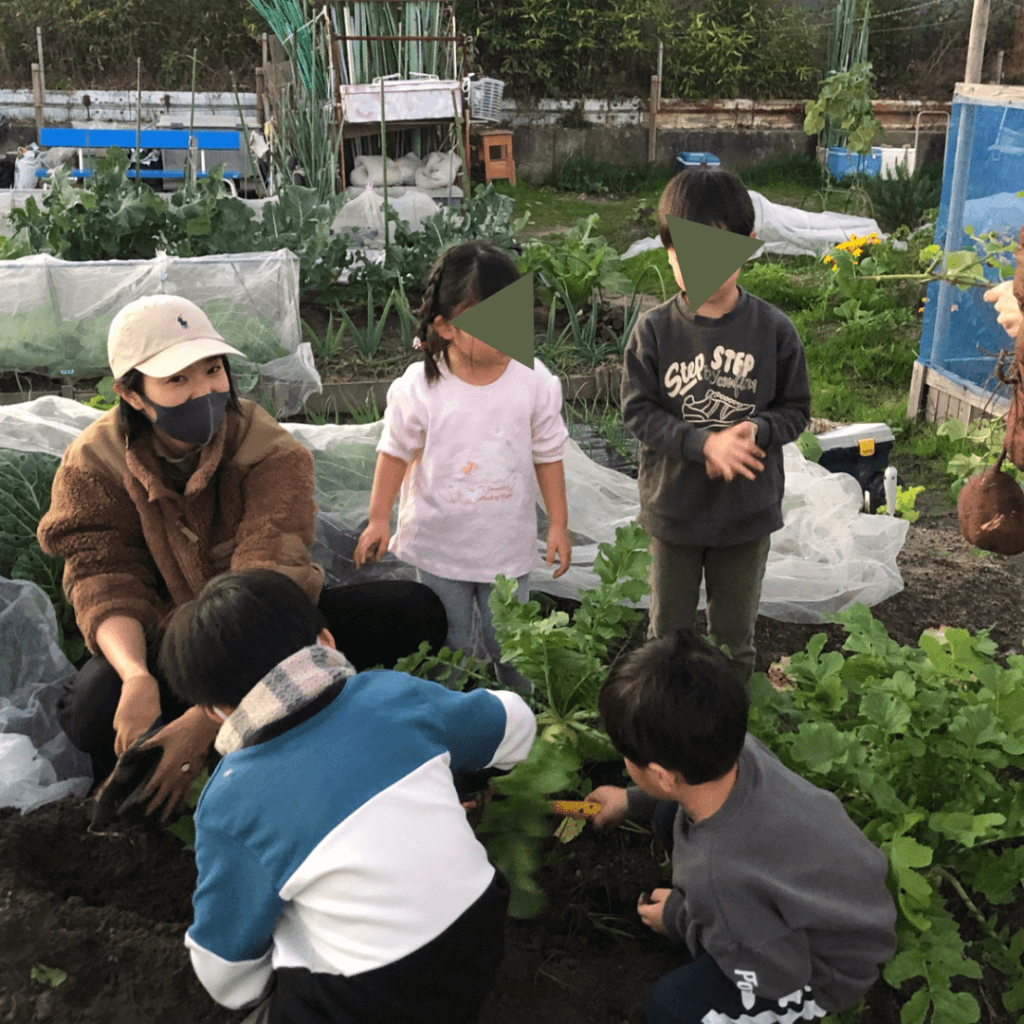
(842,162)
(688,159)
(860,449)
(485,99)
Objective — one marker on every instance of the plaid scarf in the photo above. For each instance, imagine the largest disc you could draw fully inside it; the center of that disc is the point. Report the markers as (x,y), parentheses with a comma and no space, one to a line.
(294,683)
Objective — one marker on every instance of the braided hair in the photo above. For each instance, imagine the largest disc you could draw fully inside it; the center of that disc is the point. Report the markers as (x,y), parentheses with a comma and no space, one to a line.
(461,277)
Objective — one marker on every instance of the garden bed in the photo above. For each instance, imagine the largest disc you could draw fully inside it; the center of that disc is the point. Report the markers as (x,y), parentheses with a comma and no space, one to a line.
(111,911)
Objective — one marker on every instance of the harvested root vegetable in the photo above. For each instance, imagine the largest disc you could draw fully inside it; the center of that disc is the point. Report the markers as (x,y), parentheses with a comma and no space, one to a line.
(991,511)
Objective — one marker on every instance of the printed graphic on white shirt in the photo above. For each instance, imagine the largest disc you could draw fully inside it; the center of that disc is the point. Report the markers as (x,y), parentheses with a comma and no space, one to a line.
(485,471)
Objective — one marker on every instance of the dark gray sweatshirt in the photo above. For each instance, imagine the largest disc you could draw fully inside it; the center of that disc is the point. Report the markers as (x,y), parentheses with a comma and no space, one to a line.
(686,377)
(779,887)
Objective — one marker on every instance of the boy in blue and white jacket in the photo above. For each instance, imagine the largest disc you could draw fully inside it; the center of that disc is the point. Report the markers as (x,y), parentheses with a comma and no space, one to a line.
(339,880)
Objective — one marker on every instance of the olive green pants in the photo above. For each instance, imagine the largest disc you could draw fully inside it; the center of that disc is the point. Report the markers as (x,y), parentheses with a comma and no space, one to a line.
(732,578)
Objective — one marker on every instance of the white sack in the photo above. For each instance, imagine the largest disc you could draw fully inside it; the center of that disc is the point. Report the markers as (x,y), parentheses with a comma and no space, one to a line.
(370,170)
(440,170)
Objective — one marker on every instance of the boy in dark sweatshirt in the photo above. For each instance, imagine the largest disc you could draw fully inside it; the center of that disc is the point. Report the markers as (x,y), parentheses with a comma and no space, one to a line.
(712,394)
(780,898)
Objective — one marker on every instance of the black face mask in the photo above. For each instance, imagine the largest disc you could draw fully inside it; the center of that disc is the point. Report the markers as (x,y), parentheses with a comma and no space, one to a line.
(194,421)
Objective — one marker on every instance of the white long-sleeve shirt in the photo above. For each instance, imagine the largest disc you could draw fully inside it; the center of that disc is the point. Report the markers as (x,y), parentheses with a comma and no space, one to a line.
(468,502)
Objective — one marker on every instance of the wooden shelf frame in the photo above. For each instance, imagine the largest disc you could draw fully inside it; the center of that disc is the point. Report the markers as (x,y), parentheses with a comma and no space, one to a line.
(376,128)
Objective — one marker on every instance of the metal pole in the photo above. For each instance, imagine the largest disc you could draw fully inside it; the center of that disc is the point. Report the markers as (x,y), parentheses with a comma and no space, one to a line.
(976,44)
(661,58)
(997,74)
(955,223)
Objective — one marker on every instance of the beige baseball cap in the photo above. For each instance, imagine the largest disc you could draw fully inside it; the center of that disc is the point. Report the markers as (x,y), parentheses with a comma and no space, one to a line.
(160,335)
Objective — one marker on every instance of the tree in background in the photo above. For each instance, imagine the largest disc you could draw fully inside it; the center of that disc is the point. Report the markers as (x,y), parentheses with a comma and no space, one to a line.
(94,44)
(713,48)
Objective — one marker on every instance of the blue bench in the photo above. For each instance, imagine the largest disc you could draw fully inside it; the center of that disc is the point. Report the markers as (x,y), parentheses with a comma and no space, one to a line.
(149,138)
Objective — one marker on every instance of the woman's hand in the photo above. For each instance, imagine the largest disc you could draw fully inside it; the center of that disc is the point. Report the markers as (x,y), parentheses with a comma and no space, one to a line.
(373,542)
(560,546)
(137,710)
(186,742)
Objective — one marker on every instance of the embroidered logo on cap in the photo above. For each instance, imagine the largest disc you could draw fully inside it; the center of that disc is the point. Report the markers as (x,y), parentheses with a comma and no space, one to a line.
(182,321)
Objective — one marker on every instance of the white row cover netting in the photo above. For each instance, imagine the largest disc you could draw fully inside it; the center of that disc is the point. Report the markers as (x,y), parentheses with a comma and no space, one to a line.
(37,761)
(789,231)
(826,557)
(55,314)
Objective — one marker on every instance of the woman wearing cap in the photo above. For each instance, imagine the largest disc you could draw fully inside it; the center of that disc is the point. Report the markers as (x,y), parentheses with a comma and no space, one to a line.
(181,481)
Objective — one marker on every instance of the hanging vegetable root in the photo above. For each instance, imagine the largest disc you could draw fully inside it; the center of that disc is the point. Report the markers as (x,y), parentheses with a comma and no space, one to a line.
(991,511)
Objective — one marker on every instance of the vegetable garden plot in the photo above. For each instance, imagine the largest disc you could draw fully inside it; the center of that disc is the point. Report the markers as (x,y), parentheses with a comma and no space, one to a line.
(55,314)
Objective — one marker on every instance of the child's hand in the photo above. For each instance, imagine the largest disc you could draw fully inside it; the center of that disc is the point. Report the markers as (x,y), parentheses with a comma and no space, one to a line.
(733,452)
(614,805)
(652,914)
(559,545)
(373,543)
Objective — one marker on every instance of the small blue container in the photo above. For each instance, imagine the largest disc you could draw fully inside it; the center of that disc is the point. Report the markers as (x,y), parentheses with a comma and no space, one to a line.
(842,162)
(689,159)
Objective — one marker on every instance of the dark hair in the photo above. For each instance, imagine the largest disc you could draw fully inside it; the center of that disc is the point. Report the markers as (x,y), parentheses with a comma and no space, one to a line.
(463,275)
(706,196)
(678,702)
(135,424)
(242,625)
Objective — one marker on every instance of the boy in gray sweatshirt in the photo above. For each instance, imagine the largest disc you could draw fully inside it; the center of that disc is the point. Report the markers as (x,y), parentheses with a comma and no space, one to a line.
(780,898)
(712,394)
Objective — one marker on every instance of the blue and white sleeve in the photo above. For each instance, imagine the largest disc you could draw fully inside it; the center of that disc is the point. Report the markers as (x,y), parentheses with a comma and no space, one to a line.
(236,909)
(484,728)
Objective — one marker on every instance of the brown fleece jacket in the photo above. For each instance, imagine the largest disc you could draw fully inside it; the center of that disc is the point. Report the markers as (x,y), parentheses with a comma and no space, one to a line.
(134,547)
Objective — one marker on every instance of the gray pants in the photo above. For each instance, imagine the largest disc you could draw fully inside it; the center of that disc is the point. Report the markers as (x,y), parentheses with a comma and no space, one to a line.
(732,578)
(466,605)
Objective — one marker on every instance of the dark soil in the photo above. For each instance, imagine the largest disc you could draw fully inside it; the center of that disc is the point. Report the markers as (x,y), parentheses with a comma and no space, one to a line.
(111,910)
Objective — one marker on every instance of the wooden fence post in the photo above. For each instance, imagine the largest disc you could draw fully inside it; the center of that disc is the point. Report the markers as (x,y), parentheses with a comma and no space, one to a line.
(652,120)
(37,93)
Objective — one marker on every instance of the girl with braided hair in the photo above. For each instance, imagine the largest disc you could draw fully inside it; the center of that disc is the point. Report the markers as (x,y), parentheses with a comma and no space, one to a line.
(466,433)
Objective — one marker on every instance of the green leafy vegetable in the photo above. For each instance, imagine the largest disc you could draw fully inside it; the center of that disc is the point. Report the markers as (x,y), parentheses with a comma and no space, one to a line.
(925,747)
(52,976)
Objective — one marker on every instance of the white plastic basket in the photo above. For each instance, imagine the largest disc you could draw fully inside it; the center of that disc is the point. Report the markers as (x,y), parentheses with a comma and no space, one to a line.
(485,98)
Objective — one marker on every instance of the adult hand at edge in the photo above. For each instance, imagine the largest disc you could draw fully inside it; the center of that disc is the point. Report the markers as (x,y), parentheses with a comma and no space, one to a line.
(1002,297)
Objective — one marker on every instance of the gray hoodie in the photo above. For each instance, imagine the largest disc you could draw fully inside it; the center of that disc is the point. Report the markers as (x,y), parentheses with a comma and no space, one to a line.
(779,887)
(688,376)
